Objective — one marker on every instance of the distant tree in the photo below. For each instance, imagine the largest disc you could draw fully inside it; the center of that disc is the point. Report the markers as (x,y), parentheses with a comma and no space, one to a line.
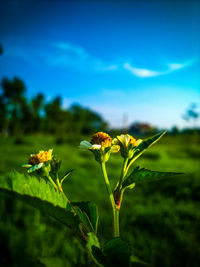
(56,118)
(85,121)
(37,104)
(13,90)
(20,116)
(27,118)
(3,116)
(15,123)
(12,98)
(192,114)
(140,128)
(174,130)
(1,49)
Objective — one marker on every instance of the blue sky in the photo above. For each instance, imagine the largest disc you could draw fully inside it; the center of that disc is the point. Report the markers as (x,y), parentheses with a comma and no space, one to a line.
(134,58)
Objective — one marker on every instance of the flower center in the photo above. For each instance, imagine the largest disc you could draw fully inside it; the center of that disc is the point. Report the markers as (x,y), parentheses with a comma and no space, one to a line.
(42,156)
(102,139)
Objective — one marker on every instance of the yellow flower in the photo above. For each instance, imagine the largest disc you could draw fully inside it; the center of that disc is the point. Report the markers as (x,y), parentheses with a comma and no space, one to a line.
(101,145)
(42,156)
(127,144)
(37,161)
(102,139)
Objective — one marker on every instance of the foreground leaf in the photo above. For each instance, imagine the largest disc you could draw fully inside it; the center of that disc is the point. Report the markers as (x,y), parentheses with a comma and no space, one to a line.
(137,262)
(94,249)
(143,175)
(116,252)
(39,194)
(88,213)
(147,143)
(65,176)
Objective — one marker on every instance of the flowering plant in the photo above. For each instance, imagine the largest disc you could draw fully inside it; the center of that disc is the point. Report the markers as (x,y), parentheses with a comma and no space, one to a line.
(42,188)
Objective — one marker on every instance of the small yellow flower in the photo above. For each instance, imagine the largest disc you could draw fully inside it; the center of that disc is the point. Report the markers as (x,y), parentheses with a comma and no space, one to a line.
(42,156)
(101,145)
(125,140)
(127,143)
(37,161)
(102,139)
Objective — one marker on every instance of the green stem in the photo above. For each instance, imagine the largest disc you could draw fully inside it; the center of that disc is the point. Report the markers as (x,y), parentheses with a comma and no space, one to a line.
(58,182)
(60,188)
(112,201)
(134,159)
(116,222)
(51,180)
(124,172)
(66,198)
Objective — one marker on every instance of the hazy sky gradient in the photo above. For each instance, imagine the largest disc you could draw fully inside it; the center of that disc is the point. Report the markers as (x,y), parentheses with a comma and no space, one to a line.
(139,58)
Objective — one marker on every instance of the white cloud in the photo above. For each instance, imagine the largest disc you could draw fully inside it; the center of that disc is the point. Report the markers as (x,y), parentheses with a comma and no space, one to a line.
(73,49)
(107,68)
(68,54)
(140,72)
(176,66)
(144,73)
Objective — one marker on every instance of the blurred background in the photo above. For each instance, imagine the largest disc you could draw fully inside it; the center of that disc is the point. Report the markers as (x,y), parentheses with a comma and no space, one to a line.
(71,68)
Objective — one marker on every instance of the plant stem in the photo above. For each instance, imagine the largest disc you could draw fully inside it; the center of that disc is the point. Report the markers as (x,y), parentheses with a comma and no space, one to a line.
(51,180)
(134,159)
(112,201)
(66,197)
(123,173)
(60,188)
(116,222)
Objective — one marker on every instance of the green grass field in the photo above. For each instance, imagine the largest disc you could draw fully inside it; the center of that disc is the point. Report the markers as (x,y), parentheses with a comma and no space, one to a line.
(159,220)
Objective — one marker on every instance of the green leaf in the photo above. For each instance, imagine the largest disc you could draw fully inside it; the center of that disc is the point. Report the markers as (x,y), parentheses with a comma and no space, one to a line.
(39,194)
(147,143)
(94,249)
(107,149)
(65,176)
(138,262)
(88,213)
(116,252)
(143,175)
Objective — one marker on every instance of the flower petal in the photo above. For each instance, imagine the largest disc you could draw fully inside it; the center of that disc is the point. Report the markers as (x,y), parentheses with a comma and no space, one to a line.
(26,165)
(85,145)
(35,167)
(95,146)
(139,141)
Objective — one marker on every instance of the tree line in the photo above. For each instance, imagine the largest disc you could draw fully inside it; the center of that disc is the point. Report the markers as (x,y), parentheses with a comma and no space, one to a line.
(20,115)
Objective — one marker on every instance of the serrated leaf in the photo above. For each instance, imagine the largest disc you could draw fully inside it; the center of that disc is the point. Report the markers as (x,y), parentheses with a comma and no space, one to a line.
(87,226)
(146,143)
(116,252)
(89,214)
(94,249)
(143,175)
(39,194)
